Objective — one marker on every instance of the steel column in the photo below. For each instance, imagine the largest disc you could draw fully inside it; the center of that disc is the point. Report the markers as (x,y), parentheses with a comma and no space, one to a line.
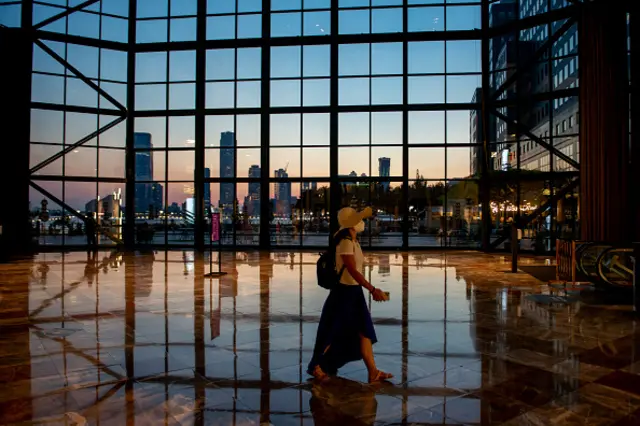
(199,183)
(265,104)
(130,159)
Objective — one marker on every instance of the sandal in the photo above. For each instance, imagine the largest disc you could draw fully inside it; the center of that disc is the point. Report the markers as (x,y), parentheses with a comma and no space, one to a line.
(380,376)
(318,374)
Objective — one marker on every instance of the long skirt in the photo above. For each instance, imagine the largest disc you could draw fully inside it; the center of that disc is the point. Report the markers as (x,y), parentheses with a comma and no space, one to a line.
(345,317)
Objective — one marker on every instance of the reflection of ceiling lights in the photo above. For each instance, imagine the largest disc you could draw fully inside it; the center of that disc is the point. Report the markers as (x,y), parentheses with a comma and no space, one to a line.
(189,142)
(75,150)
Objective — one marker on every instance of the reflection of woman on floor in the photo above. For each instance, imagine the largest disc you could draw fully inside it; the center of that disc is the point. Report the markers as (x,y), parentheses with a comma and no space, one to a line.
(343,402)
(346,332)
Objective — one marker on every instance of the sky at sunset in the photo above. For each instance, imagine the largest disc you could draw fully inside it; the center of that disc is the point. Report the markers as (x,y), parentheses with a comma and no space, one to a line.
(299,76)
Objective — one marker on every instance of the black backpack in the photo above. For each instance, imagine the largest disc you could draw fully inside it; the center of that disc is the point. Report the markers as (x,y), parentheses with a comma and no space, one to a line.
(328,278)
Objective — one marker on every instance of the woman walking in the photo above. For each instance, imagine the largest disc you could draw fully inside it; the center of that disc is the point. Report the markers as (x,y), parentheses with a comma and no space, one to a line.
(346,332)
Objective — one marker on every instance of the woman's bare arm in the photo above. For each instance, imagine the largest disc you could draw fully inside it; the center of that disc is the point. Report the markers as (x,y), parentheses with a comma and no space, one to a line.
(350,265)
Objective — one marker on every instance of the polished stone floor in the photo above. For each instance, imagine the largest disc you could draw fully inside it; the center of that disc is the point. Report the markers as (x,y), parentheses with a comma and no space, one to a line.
(145,338)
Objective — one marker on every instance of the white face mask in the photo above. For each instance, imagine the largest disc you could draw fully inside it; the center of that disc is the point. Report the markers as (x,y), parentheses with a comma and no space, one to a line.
(359,227)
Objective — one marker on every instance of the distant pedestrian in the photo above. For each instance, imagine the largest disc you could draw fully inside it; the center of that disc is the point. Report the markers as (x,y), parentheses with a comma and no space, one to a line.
(90,230)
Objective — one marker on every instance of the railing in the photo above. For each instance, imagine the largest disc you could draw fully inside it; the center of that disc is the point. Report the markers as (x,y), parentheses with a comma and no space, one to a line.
(602,264)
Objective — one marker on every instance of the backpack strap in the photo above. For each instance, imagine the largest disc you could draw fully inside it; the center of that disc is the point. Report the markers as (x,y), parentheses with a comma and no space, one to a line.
(348,237)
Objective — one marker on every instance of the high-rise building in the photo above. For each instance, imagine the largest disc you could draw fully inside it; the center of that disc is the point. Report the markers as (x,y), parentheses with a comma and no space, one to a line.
(252,201)
(283,193)
(384,170)
(562,131)
(476,136)
(227,169)
(207,191)
(143,172)
(157,195)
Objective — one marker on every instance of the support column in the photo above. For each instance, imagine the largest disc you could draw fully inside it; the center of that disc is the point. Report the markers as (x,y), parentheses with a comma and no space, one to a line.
(335,191)
(15,78)
(130,159)
(604,124)
(265,103)
(199,182)
(635,125)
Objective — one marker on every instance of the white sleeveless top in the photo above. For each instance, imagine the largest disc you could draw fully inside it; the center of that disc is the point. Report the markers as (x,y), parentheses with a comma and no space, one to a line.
(351,248)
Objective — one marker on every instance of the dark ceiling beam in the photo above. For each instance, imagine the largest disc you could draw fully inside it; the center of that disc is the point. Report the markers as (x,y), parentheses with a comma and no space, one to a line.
(67,12)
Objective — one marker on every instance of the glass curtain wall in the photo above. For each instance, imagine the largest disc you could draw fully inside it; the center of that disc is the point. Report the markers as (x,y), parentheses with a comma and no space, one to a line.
(273,115)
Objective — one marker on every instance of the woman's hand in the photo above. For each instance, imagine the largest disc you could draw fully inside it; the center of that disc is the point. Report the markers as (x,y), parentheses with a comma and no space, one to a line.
(378,295)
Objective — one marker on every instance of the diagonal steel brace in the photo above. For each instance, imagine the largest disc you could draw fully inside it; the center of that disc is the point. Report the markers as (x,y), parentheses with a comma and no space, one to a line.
(537,212)
(524,130)
(81,76)
(70,148)
(534,58)
(73,211)
(63,14)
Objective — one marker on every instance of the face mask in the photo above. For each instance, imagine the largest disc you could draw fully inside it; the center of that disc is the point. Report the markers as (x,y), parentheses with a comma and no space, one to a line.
(359,227)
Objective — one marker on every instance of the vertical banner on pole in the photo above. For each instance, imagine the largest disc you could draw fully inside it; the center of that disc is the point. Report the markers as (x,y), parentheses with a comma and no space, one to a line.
(215,236)
(215,227)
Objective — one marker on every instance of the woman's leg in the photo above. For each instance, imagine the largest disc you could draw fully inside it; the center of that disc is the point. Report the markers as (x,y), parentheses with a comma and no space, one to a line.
(367,354)
(375,375)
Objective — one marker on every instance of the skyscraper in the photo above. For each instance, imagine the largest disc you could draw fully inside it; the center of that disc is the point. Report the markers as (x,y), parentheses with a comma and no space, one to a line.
(207,191)
(283,193)
(157,195)
(253,197)
(227,168)
(384,170)
(143,171)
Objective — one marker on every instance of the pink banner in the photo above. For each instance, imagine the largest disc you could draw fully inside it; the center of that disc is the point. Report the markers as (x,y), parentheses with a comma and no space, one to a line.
(215,226)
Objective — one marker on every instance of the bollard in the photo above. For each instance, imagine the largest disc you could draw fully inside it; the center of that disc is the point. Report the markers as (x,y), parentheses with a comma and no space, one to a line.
(514,248)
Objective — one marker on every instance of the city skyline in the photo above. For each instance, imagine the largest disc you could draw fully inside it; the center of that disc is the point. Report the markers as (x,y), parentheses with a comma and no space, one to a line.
(439,72)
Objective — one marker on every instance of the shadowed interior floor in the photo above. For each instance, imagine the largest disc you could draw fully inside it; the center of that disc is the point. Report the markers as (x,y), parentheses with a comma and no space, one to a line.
(114,338)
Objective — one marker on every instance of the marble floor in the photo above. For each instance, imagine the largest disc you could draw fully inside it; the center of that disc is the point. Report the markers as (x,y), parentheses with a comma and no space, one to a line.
(144,338)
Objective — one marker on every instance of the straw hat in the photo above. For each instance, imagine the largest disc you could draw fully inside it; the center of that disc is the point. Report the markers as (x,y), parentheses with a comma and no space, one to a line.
(349,217)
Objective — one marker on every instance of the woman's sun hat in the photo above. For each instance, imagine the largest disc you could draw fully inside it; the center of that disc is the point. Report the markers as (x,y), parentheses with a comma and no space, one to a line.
(349,217)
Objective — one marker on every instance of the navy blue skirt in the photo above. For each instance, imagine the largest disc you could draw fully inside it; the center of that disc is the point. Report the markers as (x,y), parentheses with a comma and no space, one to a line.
(345,316)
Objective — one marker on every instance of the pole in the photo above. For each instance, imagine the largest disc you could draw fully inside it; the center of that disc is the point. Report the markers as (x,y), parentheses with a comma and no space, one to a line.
(216,235)
(636,280)
(210,243)
(514,247)
(219,247)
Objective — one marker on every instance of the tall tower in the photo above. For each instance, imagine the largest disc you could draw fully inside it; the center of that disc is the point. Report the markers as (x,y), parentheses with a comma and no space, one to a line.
(207,191)
(143,171)
(283,193)
(384,170)
(253,198)
(227,168)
